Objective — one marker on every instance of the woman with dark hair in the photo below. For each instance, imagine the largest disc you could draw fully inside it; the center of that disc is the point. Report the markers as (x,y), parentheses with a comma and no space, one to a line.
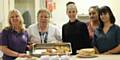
(106,39)
(93,20)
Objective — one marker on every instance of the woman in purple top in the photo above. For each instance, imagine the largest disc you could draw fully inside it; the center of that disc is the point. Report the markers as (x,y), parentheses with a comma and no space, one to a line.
(14,38)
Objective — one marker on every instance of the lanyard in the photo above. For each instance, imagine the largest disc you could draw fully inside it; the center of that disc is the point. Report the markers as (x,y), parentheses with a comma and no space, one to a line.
(43,36)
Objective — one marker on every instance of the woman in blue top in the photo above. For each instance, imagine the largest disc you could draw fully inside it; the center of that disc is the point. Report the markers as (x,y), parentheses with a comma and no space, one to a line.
(14,38)
(106,39)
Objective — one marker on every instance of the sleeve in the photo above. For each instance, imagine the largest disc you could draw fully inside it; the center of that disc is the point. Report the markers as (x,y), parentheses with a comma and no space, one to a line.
(28,42)
(57,34)
(85,35)
(96,34)
(4,38)
(28,30)
(94,40)
(63,34)
(118,35)
(33,34)
(27,35)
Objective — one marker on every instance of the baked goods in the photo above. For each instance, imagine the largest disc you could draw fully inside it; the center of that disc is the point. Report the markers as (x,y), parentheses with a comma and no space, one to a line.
(57,50)
(62,49)
(86,52)
(51,49)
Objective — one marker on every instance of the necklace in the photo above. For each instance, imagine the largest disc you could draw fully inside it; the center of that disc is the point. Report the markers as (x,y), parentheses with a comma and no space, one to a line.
(43,36)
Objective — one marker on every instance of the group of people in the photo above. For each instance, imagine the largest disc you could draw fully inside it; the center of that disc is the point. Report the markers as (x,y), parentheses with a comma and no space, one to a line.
(100,32)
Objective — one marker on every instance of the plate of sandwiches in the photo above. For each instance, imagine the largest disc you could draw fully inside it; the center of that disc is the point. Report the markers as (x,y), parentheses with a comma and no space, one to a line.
(86,53)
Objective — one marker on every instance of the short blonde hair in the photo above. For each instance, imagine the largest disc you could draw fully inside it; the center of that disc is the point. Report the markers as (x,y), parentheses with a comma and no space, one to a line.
(20,16)
(44,10)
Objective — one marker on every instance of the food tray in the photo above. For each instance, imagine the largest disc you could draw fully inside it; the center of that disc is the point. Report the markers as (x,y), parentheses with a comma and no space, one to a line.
(42,48)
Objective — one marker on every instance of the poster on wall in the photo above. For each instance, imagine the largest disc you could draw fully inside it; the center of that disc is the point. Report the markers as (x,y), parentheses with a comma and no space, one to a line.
(50,5)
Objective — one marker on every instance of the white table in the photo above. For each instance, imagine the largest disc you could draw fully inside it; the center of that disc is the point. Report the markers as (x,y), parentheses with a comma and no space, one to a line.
(100,57)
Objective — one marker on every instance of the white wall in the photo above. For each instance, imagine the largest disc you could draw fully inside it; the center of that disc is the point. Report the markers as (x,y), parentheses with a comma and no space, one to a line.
(114,4)
(60,17)
(1,14)
(59,14)
(5,6)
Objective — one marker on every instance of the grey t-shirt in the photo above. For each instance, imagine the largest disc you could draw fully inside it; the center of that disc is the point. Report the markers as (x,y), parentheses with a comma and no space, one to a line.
(107,41)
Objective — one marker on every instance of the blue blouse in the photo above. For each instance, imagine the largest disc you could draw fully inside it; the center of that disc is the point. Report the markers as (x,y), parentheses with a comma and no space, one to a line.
(107,41)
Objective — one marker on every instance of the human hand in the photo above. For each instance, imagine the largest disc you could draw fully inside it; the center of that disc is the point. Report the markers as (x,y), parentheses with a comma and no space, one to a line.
(107,53)
(30,45)
(22,55)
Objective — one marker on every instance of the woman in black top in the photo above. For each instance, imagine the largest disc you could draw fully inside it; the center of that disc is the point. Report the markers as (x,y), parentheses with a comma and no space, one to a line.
(74,31)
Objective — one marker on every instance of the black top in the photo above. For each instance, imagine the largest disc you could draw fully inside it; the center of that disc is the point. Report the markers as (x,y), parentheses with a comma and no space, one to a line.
(77,34)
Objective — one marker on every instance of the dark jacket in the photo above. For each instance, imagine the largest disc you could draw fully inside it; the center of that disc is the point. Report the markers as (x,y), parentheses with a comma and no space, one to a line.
(77,34)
